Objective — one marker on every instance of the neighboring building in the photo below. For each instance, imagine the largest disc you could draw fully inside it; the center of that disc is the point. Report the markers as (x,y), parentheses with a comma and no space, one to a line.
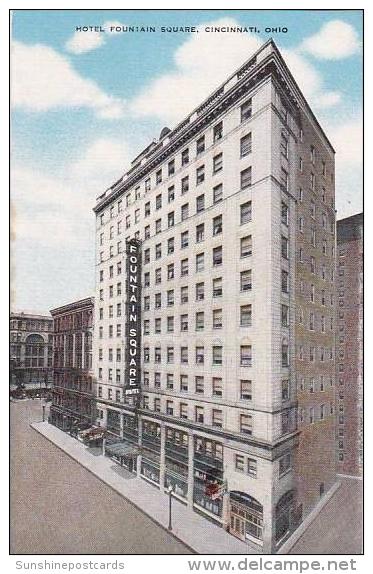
(350,345)
(234,212)
(31,354)
(72,396)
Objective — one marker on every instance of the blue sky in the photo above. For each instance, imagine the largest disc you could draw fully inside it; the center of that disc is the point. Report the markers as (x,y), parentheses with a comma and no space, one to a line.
(84,104)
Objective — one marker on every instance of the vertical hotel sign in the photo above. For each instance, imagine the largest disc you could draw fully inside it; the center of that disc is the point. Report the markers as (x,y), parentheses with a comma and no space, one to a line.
(133,319)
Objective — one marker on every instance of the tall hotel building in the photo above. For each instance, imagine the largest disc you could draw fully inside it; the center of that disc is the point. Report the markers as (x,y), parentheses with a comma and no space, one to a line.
(230,219)
(350,345)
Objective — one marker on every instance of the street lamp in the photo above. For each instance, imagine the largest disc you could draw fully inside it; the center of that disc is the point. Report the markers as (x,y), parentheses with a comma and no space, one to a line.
(170,491)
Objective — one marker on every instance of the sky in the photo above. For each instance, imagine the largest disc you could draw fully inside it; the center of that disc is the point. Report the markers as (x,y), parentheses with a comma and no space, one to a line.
(84,104)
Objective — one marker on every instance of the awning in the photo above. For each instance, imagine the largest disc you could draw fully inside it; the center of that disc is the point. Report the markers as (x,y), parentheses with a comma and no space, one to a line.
(122,449)
(93,433)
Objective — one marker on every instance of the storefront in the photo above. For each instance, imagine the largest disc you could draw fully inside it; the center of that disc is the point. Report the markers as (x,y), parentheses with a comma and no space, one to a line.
(246,517)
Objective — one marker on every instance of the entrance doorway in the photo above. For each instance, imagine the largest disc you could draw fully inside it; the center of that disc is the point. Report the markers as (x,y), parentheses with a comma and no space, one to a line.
(246,517)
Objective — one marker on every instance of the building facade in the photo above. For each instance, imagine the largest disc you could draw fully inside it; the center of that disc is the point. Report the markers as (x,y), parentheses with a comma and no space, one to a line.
(72,394)
(350,345)
(31,354)
(234,213)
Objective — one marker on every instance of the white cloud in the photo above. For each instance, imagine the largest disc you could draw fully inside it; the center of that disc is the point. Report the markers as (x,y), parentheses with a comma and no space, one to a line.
(82,42)
(335,40)
(57,209)
(206,59)
(44,80)
(104,160)
(202,62)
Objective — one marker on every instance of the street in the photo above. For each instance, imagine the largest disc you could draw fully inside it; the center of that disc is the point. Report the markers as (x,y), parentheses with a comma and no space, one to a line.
(338,527)
(58,507)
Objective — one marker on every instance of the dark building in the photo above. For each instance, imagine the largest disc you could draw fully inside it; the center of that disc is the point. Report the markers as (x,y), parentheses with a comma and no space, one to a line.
(31,354)
(72,398)
(350,345)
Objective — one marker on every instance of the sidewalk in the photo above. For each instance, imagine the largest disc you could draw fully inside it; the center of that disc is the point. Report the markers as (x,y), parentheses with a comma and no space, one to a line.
(202,536)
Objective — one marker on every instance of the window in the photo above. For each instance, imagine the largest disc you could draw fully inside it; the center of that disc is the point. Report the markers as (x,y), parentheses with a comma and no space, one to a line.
(119,330)
(199,385)
(217,355)
(200,232)
(200,146)
(183,322)
(246,145)
(157,325)
(217,318)
(158,300)
(146,303)
(246,355)
(146,327)
(246,424)
(285,464)
(217,163)
(217,387)
(245,280)
(183,411)
(147,213)
(158,201)
(200,174)
(184,267)
(158,176)
(200,320)
(184,239)
(200,203)
(284,179)
(158,251)
(200,291)
(184,184)
(217,287)
(184,211)
(284,145)
(184,294)
(171,167)
(217,418)
(245,212)
(285,354)
(170,381)
(312,415)
(185,156)
(170,324)
(157,355)
(246,246)
(171,219)
(158,226)
(239,462)
(218,131)
(200,261)
(245,316)
(218,193)
(170,271)
(246,391)
(217,256)
(171,193)
(285,389)
(170,246)
(170,298)
(170,408)
(284,247)
(246,178)
(284,281)
(200,355)
(199,414)
(147,232)
(184,383)
(312,264)
(284,316)
(284,213)
(246,110)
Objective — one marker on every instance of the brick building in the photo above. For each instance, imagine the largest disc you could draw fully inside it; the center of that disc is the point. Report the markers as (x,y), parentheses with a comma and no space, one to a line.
(31,353)
(72,395)
(350,345)
(224,229)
